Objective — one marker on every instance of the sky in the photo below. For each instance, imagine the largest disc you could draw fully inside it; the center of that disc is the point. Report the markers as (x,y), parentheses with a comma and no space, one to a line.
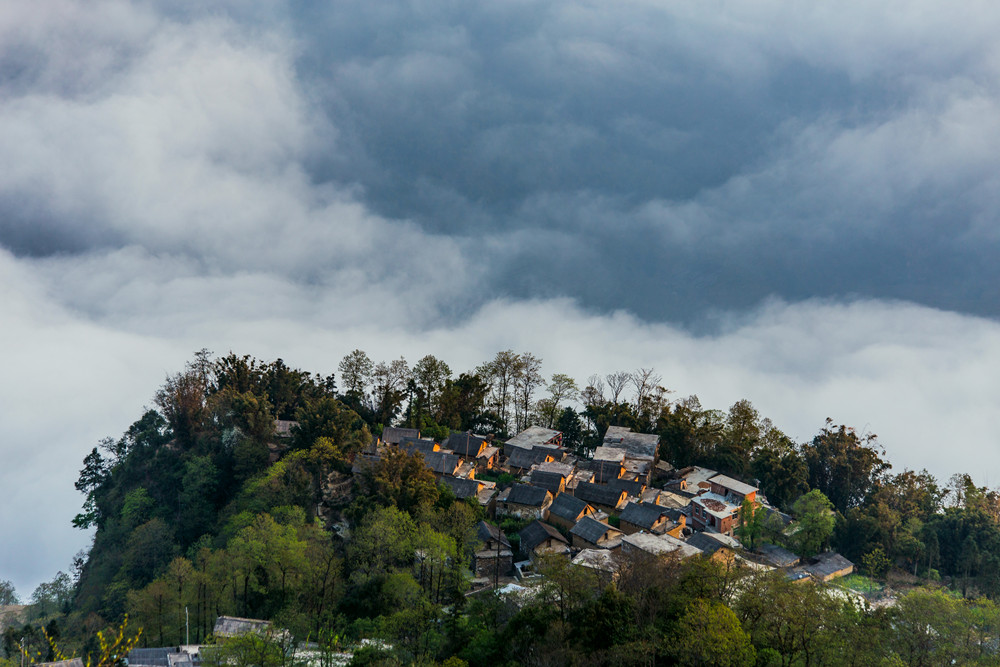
(793,203)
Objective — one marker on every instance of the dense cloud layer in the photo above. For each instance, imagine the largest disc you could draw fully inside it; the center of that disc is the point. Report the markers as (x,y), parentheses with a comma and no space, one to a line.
(794,205)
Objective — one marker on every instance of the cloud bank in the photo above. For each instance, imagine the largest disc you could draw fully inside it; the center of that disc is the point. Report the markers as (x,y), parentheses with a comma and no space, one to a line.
(792,205)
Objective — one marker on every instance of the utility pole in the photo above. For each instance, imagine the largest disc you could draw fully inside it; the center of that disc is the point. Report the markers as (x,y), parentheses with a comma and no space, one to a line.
(187,627)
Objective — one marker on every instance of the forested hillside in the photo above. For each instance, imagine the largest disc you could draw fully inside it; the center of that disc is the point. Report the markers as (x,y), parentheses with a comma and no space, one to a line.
(242,492)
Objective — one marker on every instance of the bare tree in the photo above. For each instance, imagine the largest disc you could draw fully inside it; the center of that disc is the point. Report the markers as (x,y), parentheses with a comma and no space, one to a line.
(644,380)
(527,380)
(500,373)
(617,382)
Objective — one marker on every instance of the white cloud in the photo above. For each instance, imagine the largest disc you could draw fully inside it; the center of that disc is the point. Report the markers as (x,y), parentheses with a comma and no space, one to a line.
(184,178)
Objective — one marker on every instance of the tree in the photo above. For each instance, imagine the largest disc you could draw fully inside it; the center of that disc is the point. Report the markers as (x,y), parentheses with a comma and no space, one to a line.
(561,388)
(461,405)
(750,524)
(401,480)
(430,374)
(709,633)
(617,382)
(197,498)
(356,372)
(740,438)
(814,522)
(844,466)
(571,426)
(527,379)
(182,402)
(8,594)
(500,375)
(326,417)
(780,469)
(92,477)
(389,382)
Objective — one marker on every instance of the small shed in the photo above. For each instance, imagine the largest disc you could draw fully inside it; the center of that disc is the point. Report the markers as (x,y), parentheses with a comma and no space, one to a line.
(828,565)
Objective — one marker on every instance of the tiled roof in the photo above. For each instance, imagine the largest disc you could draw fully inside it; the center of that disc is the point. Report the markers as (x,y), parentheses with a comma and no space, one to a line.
(487,531)
(537,532)
(393,434)
(547,480)
(528,495)
(591,530)
(602,494)
(734,485)
(636,445)
(231,626)
(465,444)
(525,458)
(534,435)
(567,507)
(641,515)
(462,488)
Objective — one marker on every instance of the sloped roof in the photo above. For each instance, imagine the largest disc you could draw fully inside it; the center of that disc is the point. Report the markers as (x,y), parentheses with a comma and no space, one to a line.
(777,556)
(465,444)
(602,494)
(705,543)
(659,545)
(537,532)
(550,481)
(567,507)
(636,445)
(487,531)
(525,458)
(630,486)
(591,530)
(557,467)
(150,657)
(394,435)
(442,462)
(609,454)
(412,445)
(534,435)
(528,495)
(827,564)
(734,485)
(231,626)
(642,515)
(462,488)
(72,662)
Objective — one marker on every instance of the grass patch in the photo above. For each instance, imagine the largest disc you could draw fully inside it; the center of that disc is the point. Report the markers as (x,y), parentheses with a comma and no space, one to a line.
(860,583)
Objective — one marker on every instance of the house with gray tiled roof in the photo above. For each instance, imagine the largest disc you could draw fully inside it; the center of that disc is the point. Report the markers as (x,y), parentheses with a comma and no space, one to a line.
(538,538)
(524,501)
(589,533)
(567,510)
(601,496)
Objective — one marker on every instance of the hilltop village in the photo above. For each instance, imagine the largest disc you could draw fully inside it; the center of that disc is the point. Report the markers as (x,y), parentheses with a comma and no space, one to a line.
(260,515)
(622,497)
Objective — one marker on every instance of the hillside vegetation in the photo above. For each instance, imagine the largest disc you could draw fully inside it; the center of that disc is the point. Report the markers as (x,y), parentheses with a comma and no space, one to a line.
(203,505)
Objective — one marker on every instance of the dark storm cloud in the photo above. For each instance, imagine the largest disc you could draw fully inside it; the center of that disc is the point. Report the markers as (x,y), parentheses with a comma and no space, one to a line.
(302,179)
(710,157)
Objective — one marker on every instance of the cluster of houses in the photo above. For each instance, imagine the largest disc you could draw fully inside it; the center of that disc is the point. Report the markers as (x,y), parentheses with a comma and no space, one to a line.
(623,497)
